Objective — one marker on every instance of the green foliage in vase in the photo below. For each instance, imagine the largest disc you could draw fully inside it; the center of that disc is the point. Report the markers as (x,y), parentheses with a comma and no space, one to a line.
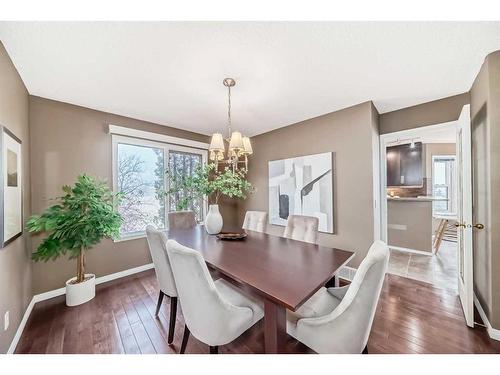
(229,183)
(79,220)
(207,182)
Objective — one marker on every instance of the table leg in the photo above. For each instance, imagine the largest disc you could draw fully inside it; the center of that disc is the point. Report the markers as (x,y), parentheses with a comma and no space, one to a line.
(274,327)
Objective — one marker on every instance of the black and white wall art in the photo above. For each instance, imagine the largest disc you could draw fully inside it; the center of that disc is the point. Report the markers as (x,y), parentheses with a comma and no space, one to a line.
(11,221)
(302,186)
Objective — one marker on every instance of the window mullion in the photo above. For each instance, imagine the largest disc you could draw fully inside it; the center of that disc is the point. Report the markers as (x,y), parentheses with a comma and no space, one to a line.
(166,183)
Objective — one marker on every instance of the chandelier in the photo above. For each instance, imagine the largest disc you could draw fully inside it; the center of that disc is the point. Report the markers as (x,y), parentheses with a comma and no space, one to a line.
(239,146)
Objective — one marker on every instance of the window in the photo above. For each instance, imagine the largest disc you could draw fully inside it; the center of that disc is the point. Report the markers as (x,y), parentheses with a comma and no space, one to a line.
(184,163)
(140,175)
(139,168)
(443,184)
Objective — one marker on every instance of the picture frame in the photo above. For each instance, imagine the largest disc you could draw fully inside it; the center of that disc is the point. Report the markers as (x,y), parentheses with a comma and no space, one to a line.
(302,185)
(11,187)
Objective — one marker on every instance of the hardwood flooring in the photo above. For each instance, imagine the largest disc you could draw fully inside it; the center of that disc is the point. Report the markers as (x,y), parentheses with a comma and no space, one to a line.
(412,317)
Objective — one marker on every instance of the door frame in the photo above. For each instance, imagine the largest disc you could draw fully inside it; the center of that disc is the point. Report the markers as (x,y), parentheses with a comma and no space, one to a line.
(385,139)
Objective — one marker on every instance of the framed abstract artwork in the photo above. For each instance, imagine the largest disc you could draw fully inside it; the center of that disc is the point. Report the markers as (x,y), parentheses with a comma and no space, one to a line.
(302,186)
(11,210)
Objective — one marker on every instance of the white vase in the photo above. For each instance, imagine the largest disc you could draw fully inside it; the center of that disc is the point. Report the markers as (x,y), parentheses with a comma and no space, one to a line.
(79,293)
(213,221)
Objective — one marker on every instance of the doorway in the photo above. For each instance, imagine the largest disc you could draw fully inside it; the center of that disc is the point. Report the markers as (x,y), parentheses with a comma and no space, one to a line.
(426,217)
(419,200)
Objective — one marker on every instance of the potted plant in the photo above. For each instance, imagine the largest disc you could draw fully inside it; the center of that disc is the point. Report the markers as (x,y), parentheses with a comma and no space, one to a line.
(208,183)
(79,220)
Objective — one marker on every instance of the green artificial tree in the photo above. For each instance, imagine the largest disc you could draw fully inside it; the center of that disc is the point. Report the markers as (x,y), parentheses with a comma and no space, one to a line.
(81,219)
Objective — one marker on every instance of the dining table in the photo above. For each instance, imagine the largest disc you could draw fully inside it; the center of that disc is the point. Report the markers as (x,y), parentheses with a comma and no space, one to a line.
(283,273)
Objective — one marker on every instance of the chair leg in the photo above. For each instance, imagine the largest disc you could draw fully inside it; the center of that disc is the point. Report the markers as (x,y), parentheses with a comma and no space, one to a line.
(173,315)
(365,350)
(185,338)
(158,305)
(330,283)
(214,350)
(439,235)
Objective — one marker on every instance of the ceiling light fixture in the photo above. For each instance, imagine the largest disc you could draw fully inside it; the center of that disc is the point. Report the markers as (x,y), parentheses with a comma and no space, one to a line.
(239,145)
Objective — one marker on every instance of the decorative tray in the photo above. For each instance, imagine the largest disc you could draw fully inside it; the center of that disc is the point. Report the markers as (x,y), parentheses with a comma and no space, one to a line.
(228,236)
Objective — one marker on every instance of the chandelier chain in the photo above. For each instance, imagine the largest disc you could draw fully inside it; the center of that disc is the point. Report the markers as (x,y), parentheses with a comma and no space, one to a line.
(239,146)
(229,111)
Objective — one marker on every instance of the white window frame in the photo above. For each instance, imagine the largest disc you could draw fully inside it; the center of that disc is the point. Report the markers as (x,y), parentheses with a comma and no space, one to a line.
(155,140)
(452,185)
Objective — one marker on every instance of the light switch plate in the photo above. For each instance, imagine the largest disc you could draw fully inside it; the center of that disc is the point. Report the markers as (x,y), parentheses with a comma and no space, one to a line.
(6,321)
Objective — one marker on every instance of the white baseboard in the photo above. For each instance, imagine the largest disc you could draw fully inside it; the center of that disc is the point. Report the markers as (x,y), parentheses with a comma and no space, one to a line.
(20,329)
(59,292)
(492,332)
(119,275)
(406,250)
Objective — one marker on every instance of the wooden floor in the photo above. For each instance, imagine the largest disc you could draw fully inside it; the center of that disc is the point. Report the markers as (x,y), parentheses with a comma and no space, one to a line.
(412,317)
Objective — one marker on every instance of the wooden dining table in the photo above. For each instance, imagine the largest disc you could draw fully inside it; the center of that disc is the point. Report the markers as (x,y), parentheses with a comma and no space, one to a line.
(282,272)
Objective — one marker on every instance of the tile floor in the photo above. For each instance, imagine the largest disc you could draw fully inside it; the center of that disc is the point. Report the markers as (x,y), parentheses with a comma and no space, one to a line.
(440,270)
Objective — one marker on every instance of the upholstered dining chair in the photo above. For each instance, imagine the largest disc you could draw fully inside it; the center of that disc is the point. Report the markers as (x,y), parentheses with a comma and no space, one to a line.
(157,241)
(302,228)
(339,320)
(215,313)
(181,220)
(255,220)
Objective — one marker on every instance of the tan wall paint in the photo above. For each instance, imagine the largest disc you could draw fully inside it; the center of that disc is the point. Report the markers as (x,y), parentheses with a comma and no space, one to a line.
(15,263)
(348,134)
(494,67)
(485,107)
(431,113)
(67,140)
(482,259)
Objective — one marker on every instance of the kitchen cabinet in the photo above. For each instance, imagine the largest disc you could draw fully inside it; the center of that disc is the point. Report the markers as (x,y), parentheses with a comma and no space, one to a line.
(404,165)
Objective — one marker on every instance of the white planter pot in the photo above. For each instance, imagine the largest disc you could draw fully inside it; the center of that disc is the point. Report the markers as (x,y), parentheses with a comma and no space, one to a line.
(213,221)
(76,294)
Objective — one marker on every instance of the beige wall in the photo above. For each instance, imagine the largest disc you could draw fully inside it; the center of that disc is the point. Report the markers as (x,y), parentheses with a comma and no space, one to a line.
(348,134)
(494,70)
(485,113)
(67,140)
(431,113)
(15,263)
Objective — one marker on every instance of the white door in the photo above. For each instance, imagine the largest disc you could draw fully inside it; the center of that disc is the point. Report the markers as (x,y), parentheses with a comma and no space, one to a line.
(464,215)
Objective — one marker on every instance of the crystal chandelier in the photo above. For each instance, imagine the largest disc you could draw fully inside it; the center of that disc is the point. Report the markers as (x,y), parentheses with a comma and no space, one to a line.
(239,146)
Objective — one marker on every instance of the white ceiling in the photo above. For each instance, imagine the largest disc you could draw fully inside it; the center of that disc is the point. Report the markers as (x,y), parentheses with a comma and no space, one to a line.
(171,73)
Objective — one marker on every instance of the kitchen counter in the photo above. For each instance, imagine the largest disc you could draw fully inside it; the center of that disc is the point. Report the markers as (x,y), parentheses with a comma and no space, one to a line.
(409,223)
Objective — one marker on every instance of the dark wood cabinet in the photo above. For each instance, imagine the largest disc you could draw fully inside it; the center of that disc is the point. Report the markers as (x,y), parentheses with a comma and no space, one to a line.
(393,166)
(404,165)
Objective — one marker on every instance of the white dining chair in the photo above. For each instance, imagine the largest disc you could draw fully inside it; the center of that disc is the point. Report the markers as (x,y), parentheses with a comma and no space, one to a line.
(181,220)
(339,320)
(255,220)
(215,313)
(302,228)
(157,241)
